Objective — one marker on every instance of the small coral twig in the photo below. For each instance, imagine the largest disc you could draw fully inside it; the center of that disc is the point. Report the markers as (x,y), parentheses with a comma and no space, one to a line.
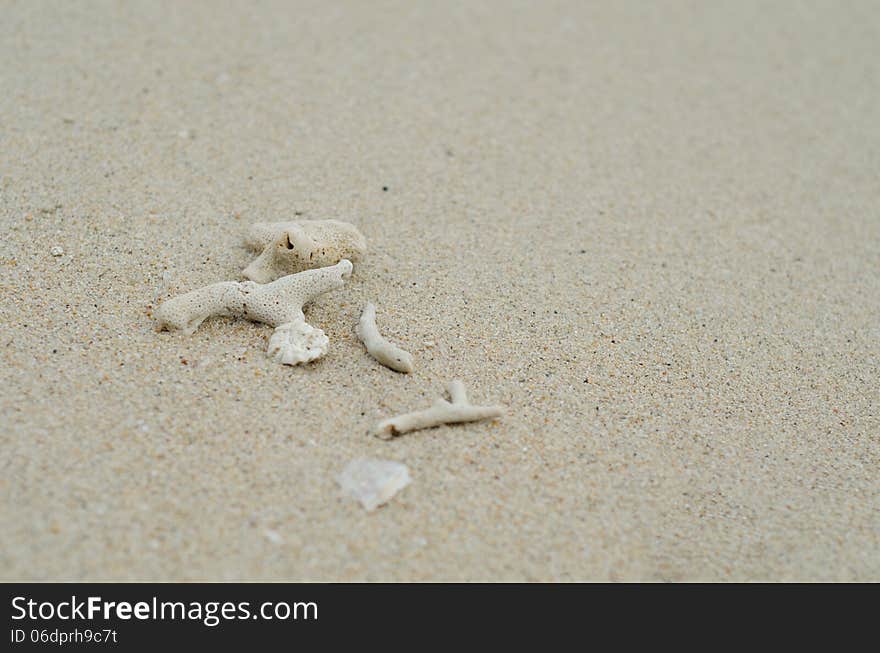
(442,412)
(277,304)
(387,353)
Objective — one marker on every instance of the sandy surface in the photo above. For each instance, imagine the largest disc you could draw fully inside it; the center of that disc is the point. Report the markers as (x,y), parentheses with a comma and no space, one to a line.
(650,229)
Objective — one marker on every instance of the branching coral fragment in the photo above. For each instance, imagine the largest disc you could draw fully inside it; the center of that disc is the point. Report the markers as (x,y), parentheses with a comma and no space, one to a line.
(387,353)
(277,304)
(442,412)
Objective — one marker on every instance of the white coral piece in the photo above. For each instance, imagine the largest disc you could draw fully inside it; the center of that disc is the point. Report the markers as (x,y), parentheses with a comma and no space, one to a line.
(277,304)
(442,412)
(373,482)
(297,342)
(387,353)
(289,247)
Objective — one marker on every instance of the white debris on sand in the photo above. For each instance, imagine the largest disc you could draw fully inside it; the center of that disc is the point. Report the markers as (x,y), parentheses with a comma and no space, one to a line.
(273,536)
(298,342)
(373,482)
(57,251)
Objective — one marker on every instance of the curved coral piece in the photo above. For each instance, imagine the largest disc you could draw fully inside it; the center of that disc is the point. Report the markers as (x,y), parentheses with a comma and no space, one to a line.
(387,353)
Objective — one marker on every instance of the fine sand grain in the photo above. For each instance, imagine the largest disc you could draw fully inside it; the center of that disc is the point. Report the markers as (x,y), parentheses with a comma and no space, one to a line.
(650,230)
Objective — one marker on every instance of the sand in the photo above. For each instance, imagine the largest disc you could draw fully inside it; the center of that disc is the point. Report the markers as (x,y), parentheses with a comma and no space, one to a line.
(651,230)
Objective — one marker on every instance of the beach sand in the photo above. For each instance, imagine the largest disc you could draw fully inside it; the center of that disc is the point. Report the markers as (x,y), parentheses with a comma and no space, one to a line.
(650,230)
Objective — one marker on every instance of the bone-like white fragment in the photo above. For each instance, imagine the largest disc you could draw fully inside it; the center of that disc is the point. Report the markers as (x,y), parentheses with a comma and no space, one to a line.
(387,353)
(273,303)
(297,342)
(288,247)
(373,482)
(277,304)
(442,412)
